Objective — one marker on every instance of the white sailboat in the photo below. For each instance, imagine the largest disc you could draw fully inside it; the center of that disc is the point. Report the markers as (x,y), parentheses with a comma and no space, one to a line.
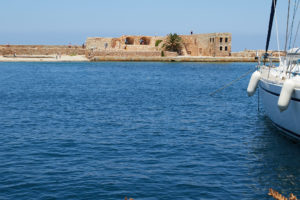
(280,85)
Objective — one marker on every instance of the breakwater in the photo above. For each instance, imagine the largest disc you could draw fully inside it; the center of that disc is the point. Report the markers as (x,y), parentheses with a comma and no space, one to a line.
(15,53)
(176,59)
(41,50)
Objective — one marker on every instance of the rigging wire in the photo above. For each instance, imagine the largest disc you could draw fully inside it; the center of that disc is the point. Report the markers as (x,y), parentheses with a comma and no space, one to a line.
(287,26)
(296,34)
(277,33)
(297,30)
(296,5)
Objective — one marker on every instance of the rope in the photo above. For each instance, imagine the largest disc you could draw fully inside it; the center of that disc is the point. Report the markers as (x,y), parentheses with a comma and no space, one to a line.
(232,82)
(258,99)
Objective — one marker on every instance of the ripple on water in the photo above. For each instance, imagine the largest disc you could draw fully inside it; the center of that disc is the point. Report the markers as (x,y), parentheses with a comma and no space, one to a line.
(142,130)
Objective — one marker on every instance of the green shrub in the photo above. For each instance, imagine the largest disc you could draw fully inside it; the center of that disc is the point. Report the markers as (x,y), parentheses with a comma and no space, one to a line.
(157,42)
(162,54)
(173,43)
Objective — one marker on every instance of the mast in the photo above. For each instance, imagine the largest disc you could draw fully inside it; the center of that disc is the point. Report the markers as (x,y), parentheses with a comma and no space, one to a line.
(273,7)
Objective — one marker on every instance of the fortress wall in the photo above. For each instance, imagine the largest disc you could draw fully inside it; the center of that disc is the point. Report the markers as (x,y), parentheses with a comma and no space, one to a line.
(132,53)
(41,50)
(140,48)
(253,53)
(213,44)
(190,45)
(203,45)
(129,43)
(99,43)
(207,44)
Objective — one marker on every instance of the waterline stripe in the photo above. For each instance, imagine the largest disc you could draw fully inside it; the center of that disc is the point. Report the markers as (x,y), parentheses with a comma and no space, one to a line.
(294,99)
(291,133)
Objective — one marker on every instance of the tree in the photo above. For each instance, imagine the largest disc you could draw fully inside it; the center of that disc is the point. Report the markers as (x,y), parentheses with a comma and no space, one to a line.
(173,43)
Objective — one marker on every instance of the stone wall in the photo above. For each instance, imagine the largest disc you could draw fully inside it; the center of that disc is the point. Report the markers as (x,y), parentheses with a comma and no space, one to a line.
(254,53)
(131,53)
(214,44)
(41,50)
(131,43)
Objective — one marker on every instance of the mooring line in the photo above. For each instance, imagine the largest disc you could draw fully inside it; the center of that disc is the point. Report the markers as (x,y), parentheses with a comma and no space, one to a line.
(232,82)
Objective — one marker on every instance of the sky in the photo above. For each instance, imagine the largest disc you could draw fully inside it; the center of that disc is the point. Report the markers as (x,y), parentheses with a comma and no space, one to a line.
(72,21)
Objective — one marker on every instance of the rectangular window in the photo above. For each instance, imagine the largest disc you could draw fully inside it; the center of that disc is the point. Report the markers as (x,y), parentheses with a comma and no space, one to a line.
(221,48)
(226,40)
(221,40)
(226,48)
(209,39)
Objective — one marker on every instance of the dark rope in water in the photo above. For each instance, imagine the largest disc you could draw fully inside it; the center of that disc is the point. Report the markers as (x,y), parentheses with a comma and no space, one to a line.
(258,109)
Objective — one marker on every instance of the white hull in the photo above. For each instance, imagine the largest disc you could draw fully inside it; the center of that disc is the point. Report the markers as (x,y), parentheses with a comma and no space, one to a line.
(287,121)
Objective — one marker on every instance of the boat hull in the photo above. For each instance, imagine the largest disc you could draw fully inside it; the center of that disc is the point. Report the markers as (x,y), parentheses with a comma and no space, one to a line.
(287,121)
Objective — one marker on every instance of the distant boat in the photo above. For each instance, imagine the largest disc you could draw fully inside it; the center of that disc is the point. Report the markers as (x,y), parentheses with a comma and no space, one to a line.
(280,85)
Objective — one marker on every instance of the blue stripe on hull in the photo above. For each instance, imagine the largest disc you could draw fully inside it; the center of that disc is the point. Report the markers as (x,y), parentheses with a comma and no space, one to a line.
(275,94)
(288,132)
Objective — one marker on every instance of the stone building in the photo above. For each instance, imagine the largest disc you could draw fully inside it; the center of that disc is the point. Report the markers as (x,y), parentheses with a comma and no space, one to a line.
(214,44)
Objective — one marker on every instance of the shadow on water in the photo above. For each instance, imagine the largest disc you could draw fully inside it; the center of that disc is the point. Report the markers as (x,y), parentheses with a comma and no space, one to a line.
(276,157)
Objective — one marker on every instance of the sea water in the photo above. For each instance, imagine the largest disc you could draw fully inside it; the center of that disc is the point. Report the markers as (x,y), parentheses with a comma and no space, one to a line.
(142,130)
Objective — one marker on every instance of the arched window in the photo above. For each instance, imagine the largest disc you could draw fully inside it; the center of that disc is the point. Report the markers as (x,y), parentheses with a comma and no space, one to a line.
(129,41)
(144,41)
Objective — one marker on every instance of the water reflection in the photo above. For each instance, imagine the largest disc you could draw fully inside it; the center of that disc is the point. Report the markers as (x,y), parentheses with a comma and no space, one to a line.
(277,159)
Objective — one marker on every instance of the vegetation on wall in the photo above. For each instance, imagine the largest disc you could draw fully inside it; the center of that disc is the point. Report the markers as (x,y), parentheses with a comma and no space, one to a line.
(157,42)
(173,43)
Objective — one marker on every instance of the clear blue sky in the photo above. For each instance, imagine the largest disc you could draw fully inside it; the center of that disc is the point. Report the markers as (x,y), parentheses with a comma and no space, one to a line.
(64,21)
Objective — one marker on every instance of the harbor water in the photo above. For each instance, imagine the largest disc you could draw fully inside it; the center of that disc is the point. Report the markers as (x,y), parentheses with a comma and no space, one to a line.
(142,130)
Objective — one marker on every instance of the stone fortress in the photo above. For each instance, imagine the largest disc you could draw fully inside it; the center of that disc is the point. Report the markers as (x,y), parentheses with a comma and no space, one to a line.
(213,45)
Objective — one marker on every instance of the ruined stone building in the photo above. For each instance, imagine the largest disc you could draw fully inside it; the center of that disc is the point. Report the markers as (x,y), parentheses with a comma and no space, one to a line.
(213,44)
